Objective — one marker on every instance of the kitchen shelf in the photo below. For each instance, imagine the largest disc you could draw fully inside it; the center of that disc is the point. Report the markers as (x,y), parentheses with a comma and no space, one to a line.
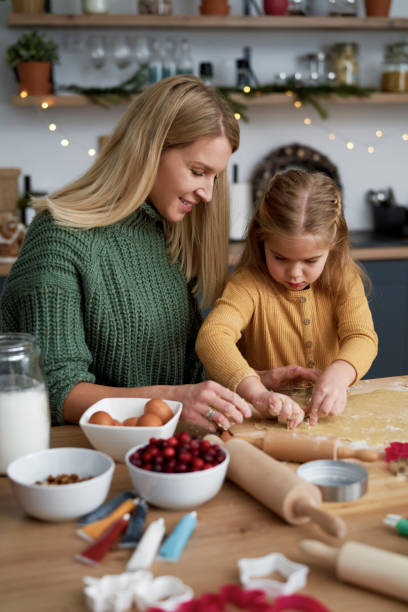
(267,22)
(264,100)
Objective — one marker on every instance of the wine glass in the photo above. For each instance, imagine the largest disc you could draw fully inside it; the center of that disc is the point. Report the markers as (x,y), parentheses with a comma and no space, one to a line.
(121,52)
(96,46)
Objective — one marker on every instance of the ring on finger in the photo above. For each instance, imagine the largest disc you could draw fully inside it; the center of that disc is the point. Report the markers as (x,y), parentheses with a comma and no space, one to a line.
(210,414)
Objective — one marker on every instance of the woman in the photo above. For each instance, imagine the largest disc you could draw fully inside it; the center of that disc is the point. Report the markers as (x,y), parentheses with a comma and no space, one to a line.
(111,266)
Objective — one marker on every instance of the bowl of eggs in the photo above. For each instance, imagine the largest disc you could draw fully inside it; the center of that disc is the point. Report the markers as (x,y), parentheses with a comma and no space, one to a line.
(116,424)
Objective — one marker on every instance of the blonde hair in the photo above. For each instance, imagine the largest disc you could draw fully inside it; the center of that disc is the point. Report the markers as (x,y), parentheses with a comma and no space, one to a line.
(296,203)
(174,112)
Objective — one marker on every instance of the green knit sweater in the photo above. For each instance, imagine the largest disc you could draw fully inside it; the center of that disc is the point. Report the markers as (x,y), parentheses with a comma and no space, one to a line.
(105,305)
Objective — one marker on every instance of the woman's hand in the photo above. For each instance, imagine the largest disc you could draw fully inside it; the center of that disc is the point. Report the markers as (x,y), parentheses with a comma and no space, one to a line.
(278,377)
(209,405)
(330,391)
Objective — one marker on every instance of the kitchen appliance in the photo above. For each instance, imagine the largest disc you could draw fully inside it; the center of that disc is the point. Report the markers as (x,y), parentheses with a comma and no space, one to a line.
(389,217)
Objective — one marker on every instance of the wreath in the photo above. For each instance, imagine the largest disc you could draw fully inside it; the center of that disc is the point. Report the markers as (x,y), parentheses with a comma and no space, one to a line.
(290,156)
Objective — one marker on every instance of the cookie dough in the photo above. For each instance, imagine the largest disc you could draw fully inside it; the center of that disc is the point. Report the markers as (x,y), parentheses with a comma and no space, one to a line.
(371,419)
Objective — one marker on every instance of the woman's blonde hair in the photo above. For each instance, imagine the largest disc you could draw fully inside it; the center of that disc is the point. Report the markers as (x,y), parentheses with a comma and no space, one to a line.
(174,112)
(296,203)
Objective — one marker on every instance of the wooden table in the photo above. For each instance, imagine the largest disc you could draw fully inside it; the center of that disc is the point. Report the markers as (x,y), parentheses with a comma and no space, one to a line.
(39,572)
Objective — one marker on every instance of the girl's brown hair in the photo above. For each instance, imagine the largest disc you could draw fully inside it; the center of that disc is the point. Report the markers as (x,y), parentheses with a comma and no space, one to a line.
(296,203)
(174,112)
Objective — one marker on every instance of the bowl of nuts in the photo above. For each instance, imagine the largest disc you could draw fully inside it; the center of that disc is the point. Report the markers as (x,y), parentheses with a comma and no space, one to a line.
(61,484)
(116,424)
(178,472)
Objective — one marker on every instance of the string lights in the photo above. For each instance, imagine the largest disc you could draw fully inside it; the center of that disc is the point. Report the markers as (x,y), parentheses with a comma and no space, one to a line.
(344,141)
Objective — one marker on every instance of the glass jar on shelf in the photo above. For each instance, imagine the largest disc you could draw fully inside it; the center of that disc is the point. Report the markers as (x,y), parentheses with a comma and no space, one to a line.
(297,7)
(394,77)
(343,8)
(313,68)
(155,7)
(344,60)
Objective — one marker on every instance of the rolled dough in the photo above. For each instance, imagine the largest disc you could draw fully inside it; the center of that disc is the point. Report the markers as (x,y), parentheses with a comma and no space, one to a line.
(371,419)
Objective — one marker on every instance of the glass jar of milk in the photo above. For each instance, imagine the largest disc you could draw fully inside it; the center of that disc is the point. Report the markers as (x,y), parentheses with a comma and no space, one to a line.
(24,411)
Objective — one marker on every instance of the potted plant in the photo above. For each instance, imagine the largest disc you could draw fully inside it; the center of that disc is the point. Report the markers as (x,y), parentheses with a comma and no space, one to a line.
(28,6)
(32,56)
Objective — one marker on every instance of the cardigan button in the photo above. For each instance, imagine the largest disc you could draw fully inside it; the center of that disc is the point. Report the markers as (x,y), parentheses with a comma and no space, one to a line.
(306,321)
(303,300)
(310,364)
(309,344)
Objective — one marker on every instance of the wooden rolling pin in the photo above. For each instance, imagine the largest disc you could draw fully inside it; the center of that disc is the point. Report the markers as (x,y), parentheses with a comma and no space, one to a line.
(301,447)
(366,566)
(276,486)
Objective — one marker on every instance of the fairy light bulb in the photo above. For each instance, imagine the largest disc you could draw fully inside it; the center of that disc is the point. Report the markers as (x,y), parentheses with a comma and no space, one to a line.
(289,93)
(23,94)
(52,127)
(246,89)
(370,149)
(91,152)
(332,136)
(307,121)
(237,116)
(379,133)
(297,104)
(350,145)
(64,142)
(44,105)
(404,136)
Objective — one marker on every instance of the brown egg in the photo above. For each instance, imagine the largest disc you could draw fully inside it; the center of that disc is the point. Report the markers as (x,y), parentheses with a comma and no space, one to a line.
(157,406)
(150,420)
(100,418)
(116,422)
(130,422)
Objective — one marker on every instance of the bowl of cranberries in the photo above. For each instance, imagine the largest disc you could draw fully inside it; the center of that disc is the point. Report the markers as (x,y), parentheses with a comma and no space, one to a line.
(178,472)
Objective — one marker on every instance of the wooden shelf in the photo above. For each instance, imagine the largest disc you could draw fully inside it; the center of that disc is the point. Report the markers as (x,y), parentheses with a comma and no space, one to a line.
(264,100)
(51,20)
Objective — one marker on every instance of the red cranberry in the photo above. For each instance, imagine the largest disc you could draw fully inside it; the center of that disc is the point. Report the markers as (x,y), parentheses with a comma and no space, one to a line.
(184,437)
(169,452)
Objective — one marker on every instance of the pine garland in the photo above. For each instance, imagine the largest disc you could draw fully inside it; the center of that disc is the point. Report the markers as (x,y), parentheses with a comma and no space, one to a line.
(306,94)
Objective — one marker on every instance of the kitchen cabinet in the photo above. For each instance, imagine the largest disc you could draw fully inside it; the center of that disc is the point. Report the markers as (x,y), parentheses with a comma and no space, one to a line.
(389,306)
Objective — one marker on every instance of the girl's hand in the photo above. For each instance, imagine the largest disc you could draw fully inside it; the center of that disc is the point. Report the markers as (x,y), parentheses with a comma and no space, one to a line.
(209,405)
(330,391)
(281,406)
(278,377)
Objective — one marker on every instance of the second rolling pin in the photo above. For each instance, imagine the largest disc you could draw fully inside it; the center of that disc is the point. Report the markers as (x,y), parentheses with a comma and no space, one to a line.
(277,486)
(300,447)
(369,567)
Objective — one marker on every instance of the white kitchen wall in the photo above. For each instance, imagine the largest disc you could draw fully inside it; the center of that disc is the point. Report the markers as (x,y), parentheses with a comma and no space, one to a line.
(26,142)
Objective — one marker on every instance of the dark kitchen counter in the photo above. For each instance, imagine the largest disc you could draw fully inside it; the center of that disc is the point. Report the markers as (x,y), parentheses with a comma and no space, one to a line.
(365,245)
(363,239)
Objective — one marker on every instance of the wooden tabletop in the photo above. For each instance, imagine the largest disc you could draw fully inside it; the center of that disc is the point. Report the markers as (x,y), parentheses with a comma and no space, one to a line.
(39,572)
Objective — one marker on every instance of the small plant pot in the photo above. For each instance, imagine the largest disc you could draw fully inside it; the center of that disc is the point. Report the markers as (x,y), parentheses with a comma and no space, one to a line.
(214,7)
(377,8)
(28,6)
(276,7)
(34,78)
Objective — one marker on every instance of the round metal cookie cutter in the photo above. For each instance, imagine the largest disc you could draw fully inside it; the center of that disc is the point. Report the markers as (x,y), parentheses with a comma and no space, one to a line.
(338,481)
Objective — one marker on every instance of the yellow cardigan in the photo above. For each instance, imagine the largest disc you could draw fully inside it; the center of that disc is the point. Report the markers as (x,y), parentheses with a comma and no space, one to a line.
(258,324)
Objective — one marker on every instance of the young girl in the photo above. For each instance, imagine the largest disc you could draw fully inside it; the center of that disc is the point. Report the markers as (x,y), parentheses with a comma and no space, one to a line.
(296,296)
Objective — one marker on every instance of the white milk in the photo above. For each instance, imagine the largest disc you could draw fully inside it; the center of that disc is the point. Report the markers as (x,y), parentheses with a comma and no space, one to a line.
(24,420)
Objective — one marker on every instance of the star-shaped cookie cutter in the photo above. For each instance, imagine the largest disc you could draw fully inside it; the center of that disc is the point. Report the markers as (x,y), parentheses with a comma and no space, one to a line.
(253,571)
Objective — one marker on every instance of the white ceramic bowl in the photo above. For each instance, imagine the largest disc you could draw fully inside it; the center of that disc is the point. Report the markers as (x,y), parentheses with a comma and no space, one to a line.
(61,502)
(116,440)
(177,491)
